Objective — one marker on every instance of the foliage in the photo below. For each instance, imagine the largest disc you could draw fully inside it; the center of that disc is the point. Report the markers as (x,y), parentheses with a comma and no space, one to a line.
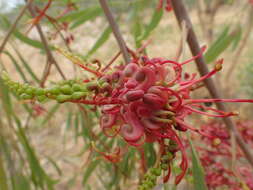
(23,165)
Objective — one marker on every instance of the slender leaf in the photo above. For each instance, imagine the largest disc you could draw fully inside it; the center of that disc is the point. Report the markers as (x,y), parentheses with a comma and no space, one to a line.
(221,44)
(26,66)
(38,175)
(155,20)
(87,15)
(3,176)
(197,170)
(100,41)
(50,114)
(92,166)
(18,68)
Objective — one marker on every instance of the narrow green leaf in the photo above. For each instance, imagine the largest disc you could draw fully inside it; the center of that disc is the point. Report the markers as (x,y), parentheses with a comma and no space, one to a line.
(57,168)
(50,114)
(38,175)
(100,41)
(197,170)
(6,100)
(22,182)
(76,124)
(85,16)
(23,38)
(221,44)
(155,20)
(92,166)
(26,66)
(18,68)
(29,41)
(3,176)
(69,120)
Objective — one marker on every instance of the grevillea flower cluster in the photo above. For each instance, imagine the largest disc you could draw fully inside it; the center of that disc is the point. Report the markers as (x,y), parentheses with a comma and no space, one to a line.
(216,147)
(144,101)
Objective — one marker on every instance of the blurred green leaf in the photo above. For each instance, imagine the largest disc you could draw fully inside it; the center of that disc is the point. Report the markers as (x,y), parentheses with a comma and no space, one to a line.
(197,170)
(100,41)
(23,38)
(18,68)
(155,20)
(57,168)
(26,66)
(50,114)
(3,176)
(86,15)
(76,125)
(224,40)
(38,175)
(22,182)
(91,167)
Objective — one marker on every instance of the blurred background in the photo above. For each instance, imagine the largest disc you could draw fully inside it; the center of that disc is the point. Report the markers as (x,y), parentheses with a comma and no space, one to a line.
(47,146)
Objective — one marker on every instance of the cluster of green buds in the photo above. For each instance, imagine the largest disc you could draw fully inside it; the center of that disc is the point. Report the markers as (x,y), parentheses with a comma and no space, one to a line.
(150,179)
(63,91)
(169,153)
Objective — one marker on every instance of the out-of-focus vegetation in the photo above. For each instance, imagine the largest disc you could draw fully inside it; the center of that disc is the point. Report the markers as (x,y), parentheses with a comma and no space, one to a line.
(48,146)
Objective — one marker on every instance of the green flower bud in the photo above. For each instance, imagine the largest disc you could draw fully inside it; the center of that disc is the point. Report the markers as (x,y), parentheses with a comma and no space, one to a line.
(66,89)
(164,166)
(16,86)
(156,171)
(145,187)
(76,87)
(83,88)
(150,184)
(78,95)
(41,98)
(62,98)
(26,96)
(30,91)
(40,91)
(20,91)
(54,90)
(152,178)
(92,85)
(5,76)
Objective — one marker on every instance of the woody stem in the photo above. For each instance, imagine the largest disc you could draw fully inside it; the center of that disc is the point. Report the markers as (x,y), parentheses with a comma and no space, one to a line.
(182,16)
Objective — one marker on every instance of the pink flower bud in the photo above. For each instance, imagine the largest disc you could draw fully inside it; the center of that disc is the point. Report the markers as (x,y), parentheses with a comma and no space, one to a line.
(134,95)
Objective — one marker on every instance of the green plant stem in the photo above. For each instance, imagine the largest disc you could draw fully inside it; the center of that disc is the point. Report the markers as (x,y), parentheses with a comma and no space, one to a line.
(182,16)
(115,30)
(50,57)
(14,25)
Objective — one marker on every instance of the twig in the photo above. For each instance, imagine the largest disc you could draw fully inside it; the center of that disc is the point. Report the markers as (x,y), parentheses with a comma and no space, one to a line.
(14,25)
(115,30)
(50,57)
(182,16)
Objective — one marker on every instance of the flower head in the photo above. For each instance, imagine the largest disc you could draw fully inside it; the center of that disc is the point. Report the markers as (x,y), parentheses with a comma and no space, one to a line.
(144,101)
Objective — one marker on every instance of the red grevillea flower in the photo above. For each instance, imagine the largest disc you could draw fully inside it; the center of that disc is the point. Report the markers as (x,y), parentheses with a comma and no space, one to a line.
(148,100)
(216,147)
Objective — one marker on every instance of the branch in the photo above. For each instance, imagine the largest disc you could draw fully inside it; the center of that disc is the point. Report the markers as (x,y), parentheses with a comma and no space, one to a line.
(182,16)
(115,30)
(50,57)
(13,27)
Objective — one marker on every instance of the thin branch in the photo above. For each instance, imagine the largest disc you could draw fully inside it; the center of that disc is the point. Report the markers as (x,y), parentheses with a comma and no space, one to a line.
(115,30)
(182,16)
(50,57)
(14,25)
